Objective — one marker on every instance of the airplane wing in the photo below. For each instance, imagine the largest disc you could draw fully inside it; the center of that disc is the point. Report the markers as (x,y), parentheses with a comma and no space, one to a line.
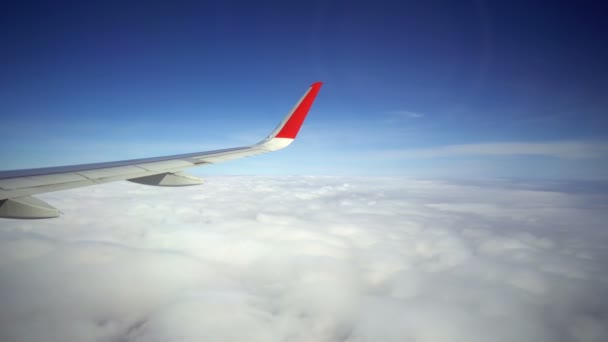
(18,186)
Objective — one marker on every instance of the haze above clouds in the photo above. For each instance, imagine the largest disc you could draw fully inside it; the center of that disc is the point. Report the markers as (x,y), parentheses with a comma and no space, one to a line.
(308,259)
(558,149)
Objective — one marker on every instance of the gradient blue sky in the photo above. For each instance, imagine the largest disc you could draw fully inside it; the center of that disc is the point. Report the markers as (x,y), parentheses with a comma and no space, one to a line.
(468,89)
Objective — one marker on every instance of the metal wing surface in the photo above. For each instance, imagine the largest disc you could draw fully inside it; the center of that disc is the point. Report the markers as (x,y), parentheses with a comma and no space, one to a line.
(18,186)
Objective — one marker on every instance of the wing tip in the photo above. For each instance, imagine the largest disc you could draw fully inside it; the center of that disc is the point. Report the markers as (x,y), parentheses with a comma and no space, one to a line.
(292,126)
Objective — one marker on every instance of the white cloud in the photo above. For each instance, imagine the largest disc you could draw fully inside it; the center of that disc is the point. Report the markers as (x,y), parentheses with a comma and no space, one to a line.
(558,149)
(406,114)
(308,258)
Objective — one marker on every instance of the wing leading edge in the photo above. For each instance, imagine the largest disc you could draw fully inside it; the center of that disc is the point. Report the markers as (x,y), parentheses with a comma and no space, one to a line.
(18,186)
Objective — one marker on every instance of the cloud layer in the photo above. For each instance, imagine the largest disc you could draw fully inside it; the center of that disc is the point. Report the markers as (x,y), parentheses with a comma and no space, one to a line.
(308,259)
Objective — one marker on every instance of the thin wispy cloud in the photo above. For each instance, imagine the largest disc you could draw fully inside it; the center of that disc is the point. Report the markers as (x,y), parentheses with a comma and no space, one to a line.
(406,114)
(556,149)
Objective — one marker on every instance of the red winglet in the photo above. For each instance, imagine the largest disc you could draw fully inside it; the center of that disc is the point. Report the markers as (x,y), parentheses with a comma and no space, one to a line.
(293,124)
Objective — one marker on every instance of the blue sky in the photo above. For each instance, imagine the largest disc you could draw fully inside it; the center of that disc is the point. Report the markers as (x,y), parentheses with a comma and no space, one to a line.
(434,89)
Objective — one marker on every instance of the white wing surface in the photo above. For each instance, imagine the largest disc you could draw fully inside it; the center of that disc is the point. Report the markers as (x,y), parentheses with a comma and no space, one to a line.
(18,186)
